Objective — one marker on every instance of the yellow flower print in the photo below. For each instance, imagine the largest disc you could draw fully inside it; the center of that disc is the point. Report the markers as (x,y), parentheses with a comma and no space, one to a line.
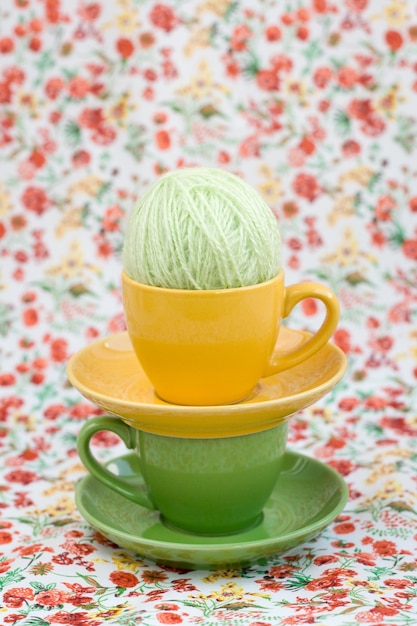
(200,38)
(396,13)
(29,101)
(64,506)
(71,219)
(107,614)
(5,204)
(127,22)
(229,591)
(118,112)
(89,185)
(360,175)
(201,84)
(370,586)
(347,251)
(72,264)
(297,89)
(224,573)
(387,104)
(218,7)
(271,188)
(344,206)
(126,562)
(58,487)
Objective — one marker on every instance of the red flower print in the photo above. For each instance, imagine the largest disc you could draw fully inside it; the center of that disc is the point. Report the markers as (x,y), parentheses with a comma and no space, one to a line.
(272,33)
(302,33)
(30,317)
(162,140)
(169,618)
(6,45)
(81,158)
(374,615)
(123,579)
(323,582)
(78,549)
(125,47)
(348,404)
(385,548)
(23,477)
(7,379)
(104,135)
(250,147)
(394,40)
(58,348)
(91,118)
(104,439)
(240,37)
(409,249)
(347,77)
(153,576)
(357,5)
(282,571)
(306,186)
(53,87)
(89,12)
(15,597)
(53,597)
(320,6)
(373,126)
(162,16)
(325,559)
(322,76)
(309,306)
(397,583)
(344,528)
(5,537)
(343,466)
(62,559)
(35,200)
(267,80)
(360,109)
(75,619)
(412,203)
(78,87)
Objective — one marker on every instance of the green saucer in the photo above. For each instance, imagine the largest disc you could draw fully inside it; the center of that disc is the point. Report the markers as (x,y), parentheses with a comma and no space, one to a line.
(307,497)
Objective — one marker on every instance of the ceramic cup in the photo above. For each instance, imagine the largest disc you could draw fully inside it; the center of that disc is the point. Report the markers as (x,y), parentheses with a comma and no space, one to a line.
(213,486)
(211,347)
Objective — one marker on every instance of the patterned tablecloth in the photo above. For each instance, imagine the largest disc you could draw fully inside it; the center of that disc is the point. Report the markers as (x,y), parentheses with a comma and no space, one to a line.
(314,103)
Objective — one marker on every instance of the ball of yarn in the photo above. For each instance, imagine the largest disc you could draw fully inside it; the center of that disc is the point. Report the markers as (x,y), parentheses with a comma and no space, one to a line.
(201,228)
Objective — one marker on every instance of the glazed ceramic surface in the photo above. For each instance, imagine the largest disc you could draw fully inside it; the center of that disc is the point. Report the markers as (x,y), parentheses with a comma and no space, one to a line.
(307,497)
(211,347)
(207,486)
(107,372)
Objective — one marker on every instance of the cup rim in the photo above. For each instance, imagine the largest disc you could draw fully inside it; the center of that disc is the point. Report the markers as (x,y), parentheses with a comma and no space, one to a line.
(126,279)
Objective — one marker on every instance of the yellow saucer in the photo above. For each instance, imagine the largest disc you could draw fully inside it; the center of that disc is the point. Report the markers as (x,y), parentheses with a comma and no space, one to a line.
(108,373)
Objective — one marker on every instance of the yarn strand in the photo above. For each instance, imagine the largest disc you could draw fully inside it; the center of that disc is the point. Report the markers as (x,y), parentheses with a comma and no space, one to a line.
(201,228)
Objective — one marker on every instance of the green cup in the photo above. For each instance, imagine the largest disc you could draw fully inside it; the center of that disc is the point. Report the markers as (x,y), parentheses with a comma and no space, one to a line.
(213,486)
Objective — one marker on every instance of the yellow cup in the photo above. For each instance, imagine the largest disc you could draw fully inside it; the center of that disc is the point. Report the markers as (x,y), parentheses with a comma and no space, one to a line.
(211,347)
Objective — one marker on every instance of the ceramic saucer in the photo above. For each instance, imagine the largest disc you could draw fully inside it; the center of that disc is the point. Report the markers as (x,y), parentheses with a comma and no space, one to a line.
(108,373)
(307,497)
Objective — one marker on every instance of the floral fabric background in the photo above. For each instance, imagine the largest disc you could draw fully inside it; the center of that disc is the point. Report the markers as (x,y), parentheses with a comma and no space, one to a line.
(314,103)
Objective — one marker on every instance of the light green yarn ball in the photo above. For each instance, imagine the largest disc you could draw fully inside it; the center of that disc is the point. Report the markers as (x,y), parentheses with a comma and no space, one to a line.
(201,228)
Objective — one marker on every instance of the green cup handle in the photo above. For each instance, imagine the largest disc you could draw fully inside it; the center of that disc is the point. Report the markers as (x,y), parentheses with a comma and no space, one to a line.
(115,425)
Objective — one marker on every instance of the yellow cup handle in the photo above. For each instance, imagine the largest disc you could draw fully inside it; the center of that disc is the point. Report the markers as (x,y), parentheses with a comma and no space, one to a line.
(293,295)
